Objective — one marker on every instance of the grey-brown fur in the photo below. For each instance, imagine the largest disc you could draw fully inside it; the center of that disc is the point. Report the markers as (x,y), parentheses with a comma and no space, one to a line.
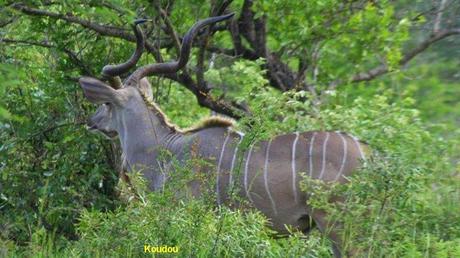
(268,178)
(145,133)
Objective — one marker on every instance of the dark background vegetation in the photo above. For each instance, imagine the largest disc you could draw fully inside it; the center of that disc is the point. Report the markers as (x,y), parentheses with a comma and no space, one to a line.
(386,71)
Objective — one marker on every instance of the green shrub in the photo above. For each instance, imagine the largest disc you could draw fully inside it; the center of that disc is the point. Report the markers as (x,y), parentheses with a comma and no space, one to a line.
(402,203)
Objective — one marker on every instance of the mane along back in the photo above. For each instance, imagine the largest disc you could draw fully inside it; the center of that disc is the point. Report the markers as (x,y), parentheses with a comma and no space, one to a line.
(208,122)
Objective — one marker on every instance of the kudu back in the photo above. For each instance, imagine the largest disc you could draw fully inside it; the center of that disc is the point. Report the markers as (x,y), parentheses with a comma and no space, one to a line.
(268,172)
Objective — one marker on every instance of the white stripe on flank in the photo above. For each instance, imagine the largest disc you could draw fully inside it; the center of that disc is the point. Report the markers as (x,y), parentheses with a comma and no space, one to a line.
(266,178)
(239,133)
(294,187)
(359,148)
(246,173)
(218,167)
(311,154)
(323,164)
(344,159)
(230,180)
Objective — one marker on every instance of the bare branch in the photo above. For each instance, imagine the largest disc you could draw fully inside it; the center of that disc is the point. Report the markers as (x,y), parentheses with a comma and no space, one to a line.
(236,39)
(5,23)
(253,30)
(27,42)
(169,27)
(221,9)
(383,69)
(206,100)
(438,19)
(246,25)
(261,33)
(245,53)
(203,98)
(428,42)
(203,43)
(103,30)
(72,56)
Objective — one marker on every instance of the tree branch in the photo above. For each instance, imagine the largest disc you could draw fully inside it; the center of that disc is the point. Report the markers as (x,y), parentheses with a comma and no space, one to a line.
(72,56)
(435,37)
(246,25)
(253,30)
(203,43)
(4,23)
(103,30)
(244,52)
(206,100)
(169,27)
(383,69)
(186,80)
(438,19)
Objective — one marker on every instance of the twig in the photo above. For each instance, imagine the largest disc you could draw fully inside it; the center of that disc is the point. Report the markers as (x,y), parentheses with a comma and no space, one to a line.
(169,27)
(383,69)
(73,57)
(438,19)
(204,99)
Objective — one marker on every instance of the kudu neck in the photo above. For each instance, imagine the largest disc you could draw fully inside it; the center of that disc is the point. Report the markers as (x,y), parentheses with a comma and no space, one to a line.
(157,115)
(146,127)
(143,134)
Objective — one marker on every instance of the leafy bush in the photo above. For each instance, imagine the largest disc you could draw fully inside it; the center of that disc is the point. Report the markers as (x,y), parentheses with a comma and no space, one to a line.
(403,202)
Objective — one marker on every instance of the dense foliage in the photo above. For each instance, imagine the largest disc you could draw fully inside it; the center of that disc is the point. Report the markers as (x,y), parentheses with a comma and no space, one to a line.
(58,184)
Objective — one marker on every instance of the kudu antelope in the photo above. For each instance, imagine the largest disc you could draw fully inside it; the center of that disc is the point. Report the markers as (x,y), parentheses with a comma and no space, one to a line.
(270,170)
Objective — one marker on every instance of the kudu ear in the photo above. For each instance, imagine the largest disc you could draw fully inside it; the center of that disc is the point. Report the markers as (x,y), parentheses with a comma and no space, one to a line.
(146,89)
(98,92)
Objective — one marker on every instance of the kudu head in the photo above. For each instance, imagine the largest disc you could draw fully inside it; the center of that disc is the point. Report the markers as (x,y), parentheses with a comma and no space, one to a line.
(119,100)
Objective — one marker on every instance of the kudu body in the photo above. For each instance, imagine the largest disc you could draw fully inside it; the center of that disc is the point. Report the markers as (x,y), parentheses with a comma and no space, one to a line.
(267,172)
